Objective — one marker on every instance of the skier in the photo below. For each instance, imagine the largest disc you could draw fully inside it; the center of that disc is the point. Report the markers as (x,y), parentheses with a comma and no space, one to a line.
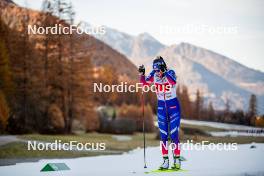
(168,110)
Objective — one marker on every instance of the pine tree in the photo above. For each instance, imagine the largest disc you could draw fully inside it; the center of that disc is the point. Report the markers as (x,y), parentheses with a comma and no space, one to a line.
(226,117)
(211,111)
(198,105)
(252,109)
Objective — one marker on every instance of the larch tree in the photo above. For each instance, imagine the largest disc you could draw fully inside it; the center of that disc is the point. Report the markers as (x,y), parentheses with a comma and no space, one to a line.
(6,83)
(185,102)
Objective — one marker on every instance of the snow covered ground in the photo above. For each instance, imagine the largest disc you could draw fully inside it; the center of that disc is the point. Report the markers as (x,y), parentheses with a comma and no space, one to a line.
(232,130)
(219,125)
(243,161)
(236,133)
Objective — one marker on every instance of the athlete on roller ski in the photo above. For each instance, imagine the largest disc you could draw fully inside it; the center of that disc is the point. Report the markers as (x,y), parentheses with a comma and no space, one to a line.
(168,109)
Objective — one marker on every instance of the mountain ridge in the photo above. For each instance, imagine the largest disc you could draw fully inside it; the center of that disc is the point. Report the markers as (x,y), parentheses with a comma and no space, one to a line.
(193,59)
(231,70)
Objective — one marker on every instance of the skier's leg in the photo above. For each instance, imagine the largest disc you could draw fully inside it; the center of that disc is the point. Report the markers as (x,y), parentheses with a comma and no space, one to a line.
(163,127)
(174,114)
(174,117)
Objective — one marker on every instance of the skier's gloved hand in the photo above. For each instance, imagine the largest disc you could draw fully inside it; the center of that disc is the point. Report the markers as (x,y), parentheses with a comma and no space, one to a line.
(163,68)
(141,69)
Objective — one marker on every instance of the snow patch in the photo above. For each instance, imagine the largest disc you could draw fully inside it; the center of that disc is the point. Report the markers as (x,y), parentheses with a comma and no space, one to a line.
(219,125)
(243,161)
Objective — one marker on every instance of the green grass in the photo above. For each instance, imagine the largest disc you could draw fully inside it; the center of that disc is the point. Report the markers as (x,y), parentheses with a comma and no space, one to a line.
(111,143)
(19,150)
(113,146)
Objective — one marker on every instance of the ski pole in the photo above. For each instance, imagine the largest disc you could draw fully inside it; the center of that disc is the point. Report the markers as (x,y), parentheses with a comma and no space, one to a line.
(144,135)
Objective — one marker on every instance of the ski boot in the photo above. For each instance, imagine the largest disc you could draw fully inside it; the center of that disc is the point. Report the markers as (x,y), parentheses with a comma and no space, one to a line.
(165,164)
(177,163)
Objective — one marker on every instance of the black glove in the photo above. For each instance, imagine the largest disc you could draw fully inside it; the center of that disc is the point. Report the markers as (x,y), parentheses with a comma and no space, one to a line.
(141,69)
(163,68)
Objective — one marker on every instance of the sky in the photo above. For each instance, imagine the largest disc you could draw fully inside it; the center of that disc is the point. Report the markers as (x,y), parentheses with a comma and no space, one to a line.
(234,28)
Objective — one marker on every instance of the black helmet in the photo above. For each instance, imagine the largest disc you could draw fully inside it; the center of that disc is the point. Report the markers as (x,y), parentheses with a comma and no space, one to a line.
(157,62)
